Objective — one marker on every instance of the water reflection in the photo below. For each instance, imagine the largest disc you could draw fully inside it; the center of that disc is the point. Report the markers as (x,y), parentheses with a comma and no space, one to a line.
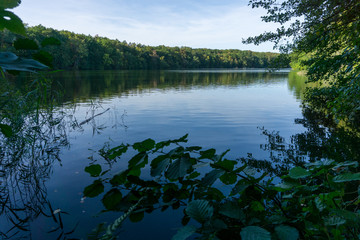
(88,84)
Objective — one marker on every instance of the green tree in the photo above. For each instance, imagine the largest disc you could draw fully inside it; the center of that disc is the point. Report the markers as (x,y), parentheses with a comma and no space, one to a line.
(327,33)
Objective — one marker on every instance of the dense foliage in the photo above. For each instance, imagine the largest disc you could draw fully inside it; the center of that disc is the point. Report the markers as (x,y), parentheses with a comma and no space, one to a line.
(325,35)
(78,51)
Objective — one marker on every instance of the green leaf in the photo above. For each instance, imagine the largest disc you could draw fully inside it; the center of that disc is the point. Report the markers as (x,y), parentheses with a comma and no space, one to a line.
(111,199)
(209,154)
(94,170)
(119,179)
(50,41)
(193,175)
(9,3)
(139,160)
(145,145)
(227,165)
(11,22)
(334,221)
(136,217)
(232,210)
(228,178)
(43,57)
(179,168)
(184,232)
(6,130)
(159,164)
(254,233)
(25,44)
(211,177)
(116,151)
(286,233)
(299,172)
(94,189)
(347,177)
(239,188)
(200,210)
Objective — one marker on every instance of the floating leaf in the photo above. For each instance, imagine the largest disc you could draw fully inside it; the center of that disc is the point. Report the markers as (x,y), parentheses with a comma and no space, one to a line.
(347,177)
(11,22)
(200,210)
(179,168)
(111,199)
(50,41)
(94,170)
(94,189)
(299,172)
(254,233)
(184,232)
(25,44)
(145,145)
(6,130)
(286,232)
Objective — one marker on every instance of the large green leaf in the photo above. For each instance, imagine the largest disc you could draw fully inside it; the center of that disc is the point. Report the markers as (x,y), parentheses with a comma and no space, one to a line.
(50,41)
(25,44)
(287,233)
(184,233)
(299,172)
(211,177)
(94,189)
(347,177)
(232,210)
(200,210)
(43,57)
(6,130)
(111,199)
(159,164)
(11,22)
(254,233)
(9,61)
(139,160)
(229,178)
(179,168)
(94,170)
(9,3)
(145,145)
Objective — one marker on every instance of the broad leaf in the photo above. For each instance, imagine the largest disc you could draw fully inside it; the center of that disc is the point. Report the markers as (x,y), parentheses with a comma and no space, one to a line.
(145,145)
(254,233)
(200,210)
(347,177)
(159,164)
(9,3)
(210,153)
(184,233)
(6,130)
(228,178)
(111,199)
(50,41)
(11,22)
(136,217)
(94,189)
(94,170)
(179,168)
(139,160)
(43,57)
(211,177)
(299,172)
(232,210)
(287,233)
(25,44)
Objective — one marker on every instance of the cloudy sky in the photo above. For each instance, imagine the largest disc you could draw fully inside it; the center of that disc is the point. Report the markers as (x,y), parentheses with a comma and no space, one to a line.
(220,24)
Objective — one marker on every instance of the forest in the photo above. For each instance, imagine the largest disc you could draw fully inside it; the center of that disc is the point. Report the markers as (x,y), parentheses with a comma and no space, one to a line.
(84,52)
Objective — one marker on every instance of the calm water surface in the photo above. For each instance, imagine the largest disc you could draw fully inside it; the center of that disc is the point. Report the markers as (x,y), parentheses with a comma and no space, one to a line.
(221,109)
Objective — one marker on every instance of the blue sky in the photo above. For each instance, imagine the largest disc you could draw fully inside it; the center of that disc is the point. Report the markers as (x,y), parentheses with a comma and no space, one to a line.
(220,24)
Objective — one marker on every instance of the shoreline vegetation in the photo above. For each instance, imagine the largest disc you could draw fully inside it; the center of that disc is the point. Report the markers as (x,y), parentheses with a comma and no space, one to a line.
(84,52)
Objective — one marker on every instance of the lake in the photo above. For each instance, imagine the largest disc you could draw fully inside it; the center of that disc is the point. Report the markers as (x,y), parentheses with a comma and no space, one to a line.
(221,109)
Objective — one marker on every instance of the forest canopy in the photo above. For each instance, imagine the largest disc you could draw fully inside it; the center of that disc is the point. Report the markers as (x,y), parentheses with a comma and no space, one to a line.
(84,52)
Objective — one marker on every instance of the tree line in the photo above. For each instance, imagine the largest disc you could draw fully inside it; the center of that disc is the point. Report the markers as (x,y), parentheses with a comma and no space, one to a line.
(85,52)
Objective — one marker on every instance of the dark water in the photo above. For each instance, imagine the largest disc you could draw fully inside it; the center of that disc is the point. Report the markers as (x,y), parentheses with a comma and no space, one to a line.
(221,109)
